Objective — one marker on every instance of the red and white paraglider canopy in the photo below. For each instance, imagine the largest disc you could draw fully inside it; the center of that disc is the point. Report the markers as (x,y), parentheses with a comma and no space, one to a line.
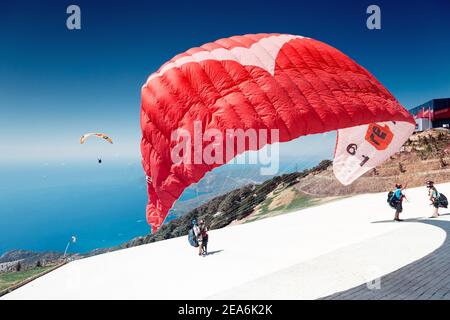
(294,84)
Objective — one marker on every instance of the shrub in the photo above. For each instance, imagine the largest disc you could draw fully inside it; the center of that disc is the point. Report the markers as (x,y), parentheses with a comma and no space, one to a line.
(442,162)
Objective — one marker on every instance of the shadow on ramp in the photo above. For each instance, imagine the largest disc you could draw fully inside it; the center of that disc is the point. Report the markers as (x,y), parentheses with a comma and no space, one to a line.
(404,220)
(213,252)
(444,214)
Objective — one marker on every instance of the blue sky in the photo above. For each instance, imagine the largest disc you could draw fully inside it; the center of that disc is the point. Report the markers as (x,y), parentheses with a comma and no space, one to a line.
(56,84)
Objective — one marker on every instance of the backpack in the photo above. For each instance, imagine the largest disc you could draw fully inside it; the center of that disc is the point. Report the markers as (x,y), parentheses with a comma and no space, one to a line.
(389,196)
(390,199)
(192,238)
(443,202)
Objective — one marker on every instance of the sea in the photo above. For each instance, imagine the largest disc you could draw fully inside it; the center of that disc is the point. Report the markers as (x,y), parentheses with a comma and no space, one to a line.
(43,205)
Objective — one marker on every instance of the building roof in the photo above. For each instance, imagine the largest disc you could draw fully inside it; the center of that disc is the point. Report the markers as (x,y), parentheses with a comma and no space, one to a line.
(433,109)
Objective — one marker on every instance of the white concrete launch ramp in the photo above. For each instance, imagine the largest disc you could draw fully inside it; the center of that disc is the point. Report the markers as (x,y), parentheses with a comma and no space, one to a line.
(307,254)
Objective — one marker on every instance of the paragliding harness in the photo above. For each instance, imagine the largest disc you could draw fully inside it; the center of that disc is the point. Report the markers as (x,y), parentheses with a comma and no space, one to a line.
(441,201)
(192,237)
(205,240)
(392,200)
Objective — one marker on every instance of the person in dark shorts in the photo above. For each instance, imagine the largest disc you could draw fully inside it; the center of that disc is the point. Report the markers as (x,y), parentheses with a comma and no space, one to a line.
(201,233)
(397,201)
(204,235)
(435,198)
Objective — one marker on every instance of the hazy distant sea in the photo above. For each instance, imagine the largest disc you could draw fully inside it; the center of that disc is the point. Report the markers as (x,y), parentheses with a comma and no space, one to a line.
(43,205)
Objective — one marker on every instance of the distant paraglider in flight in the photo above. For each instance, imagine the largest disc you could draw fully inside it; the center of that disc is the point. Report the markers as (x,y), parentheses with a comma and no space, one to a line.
(98,135)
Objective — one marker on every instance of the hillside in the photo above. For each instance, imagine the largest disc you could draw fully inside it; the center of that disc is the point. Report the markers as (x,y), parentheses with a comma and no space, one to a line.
(214,184)
(24,260)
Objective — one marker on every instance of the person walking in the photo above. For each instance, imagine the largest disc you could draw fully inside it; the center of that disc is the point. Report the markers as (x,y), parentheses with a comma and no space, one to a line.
(204,233)
(437,199)
(396,201)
